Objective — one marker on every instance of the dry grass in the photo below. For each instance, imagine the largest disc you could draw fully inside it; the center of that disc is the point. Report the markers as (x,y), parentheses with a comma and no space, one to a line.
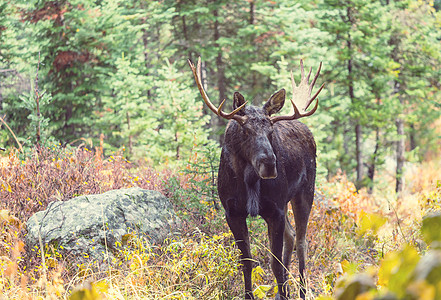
(197,265)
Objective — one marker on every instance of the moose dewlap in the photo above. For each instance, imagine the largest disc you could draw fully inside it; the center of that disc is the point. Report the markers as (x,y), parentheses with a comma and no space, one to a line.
(266,162)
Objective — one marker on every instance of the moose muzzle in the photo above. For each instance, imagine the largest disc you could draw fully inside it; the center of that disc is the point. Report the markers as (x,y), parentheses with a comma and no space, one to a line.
(265,166)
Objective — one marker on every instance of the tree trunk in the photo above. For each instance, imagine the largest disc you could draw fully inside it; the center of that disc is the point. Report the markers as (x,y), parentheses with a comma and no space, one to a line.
(412,138)
(358,131)
(37,102)
(1,95)
(145,35)
(400,144)
(399,186)
(399,86)
(373,161)
(359,157)
(177,146)
(251,21)
(185,33)
(252,42)
(130,135)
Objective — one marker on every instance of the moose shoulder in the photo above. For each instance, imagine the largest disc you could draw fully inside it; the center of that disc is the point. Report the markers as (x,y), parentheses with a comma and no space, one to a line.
(266,162)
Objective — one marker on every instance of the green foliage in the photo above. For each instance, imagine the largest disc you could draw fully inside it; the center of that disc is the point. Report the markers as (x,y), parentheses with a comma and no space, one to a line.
(125,110)
(118,69)
(68,36)
(37,103)
(203,172)
(359,68)
(179,120)
(194,192)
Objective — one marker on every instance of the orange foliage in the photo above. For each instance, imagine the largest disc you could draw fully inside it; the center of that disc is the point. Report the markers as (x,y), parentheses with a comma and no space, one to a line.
(342,194)
(66,59)
(52,10)
(56,174)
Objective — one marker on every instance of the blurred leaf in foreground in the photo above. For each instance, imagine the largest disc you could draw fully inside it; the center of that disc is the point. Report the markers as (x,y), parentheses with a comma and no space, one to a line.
(370,222)
(396,270)
(431,228)
(90,291)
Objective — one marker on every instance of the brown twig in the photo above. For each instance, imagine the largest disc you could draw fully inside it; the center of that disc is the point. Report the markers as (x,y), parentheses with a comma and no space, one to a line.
(19,145)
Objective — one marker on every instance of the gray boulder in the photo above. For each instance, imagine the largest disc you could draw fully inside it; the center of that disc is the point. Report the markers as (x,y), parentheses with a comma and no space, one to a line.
(91,226)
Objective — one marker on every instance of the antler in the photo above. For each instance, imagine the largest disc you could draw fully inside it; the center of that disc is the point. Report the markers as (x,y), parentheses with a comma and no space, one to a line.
(218,111)
(302,95)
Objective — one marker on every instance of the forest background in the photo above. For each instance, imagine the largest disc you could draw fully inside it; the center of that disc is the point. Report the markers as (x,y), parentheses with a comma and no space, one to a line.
(118,71)
(112,76)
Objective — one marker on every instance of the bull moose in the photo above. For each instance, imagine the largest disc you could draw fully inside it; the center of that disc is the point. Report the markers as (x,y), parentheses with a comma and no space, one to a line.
(266,162)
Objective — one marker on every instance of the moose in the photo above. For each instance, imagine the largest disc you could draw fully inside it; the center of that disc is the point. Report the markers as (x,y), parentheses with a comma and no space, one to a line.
(266,162)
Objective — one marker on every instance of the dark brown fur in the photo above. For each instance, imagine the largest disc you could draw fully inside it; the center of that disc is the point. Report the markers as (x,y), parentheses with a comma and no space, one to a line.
(260,149)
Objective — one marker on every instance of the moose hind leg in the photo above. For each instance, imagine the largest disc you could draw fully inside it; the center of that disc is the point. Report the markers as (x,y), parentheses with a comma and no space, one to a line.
(238,227)
(302,208)
(288,241)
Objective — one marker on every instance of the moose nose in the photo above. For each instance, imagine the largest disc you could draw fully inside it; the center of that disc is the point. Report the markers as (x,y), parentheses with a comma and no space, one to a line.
(267,166)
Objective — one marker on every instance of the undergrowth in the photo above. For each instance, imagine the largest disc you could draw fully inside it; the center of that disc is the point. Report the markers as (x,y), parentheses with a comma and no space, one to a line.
(58,174)
(349,232)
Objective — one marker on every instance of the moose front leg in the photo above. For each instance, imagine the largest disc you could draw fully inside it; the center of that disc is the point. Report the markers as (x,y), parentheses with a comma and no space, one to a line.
(276,229)
(239,229)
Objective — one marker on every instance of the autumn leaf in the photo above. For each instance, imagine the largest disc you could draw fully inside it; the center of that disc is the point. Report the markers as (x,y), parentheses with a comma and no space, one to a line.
(396,269)
(370,223)
(90,291)
(260,291)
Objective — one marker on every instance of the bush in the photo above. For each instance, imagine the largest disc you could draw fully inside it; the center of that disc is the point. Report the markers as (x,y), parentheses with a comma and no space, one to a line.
(59,174)
(194,190)
(194,267)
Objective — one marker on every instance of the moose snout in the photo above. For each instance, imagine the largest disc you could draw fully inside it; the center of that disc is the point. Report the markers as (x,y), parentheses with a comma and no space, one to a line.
(266,166)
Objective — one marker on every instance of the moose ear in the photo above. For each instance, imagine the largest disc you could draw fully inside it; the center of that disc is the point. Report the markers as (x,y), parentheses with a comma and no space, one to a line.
(238,101)
(275,102)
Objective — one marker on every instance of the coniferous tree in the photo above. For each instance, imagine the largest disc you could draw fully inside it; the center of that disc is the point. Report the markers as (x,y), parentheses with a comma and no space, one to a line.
(416,53)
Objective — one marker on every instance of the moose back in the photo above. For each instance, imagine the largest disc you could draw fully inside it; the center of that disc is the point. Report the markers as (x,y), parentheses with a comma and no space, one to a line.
(266,162)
